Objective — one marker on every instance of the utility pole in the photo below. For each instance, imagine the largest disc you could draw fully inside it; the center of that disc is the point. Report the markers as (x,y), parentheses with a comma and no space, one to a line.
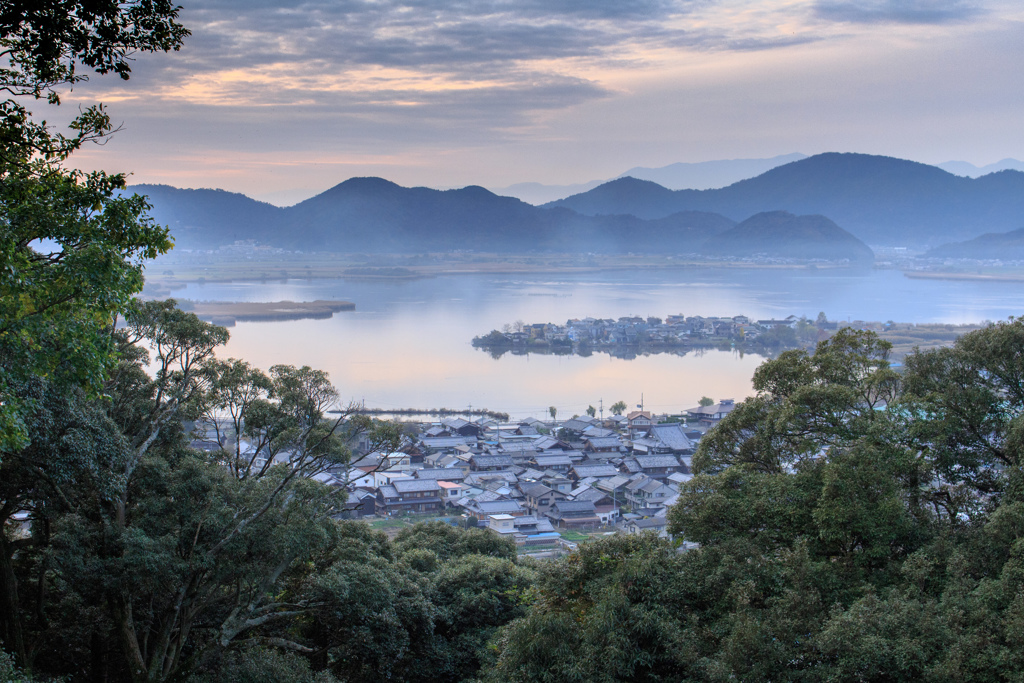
(600,403)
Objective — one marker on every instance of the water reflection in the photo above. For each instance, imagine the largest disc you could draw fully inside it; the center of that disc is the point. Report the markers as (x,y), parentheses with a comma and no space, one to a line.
(408,343)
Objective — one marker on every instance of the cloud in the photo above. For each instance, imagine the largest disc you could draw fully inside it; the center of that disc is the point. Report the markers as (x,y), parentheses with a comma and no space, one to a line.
(899,11)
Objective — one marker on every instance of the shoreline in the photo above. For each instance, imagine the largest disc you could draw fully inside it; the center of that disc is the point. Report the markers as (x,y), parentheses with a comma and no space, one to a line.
(335,267)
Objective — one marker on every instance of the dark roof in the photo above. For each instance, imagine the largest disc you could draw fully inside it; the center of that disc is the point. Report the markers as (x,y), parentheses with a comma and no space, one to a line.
(595,470)
(492,460)
(574,505)
(447,441)
(604,442)
(441,473)
(497,507)
(672,435)
(552,460)
(647,461)
(413,485)
(536,490)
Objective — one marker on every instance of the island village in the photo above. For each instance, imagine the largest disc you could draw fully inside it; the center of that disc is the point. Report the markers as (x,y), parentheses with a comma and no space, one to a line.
(545,484)
(627,336)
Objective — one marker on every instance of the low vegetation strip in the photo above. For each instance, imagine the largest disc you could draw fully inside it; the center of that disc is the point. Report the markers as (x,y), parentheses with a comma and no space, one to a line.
(228,312)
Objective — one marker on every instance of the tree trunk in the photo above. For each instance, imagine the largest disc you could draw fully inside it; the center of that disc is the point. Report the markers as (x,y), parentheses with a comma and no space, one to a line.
(11,634)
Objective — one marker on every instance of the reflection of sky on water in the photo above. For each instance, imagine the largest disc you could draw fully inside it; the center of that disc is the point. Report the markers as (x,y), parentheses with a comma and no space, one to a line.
(407,343)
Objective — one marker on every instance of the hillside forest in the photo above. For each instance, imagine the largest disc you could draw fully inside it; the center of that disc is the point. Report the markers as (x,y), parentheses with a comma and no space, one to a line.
(852,522)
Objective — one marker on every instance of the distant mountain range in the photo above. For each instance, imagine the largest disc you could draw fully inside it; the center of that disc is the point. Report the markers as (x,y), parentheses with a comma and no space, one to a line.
(971,171)
(376,216)
(881,200)
(878,200)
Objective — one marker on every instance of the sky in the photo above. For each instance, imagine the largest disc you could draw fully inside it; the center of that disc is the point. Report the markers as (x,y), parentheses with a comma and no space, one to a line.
(282,99)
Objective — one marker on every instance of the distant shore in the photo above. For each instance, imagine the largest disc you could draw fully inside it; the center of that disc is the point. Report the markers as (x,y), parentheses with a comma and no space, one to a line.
(988,277)
(203,268)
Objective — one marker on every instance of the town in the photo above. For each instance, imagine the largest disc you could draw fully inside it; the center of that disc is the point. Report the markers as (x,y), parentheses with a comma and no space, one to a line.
(544,484)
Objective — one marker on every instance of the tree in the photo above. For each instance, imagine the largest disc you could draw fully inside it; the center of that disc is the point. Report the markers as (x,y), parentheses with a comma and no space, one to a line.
(591,411)
(618,408)
(70,248)
(705,402)
(552,411)
(606,614)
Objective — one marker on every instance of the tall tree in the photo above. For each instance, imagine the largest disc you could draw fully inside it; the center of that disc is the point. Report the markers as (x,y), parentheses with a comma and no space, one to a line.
(70,248)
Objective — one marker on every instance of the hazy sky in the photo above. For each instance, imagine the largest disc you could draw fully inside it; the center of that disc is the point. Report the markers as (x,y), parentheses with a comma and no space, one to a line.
(281,99)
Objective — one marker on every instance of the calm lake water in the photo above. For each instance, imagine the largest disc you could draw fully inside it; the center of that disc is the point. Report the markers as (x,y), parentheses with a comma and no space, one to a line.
(407,344)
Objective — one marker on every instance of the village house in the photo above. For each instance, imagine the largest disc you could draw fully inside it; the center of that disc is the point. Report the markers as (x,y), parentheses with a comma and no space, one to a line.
(409,496)
(539,498)
(599,471)
(658,525)
(490,463)
(659,466)
(712,414)
(639,422)
(571,514)
(481,509)
(645,495)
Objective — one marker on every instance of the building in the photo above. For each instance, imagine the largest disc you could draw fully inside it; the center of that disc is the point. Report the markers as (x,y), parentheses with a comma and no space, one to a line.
(415,496)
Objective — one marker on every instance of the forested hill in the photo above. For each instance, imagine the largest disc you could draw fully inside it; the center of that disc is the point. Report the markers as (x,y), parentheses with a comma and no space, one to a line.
(881,200)
(780,233)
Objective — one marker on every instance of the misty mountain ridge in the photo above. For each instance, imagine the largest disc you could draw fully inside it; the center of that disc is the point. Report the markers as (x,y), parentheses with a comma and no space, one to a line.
(379,216)
(880,200)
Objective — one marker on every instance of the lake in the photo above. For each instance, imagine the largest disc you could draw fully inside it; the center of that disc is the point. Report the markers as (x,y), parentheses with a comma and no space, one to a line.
(407,344)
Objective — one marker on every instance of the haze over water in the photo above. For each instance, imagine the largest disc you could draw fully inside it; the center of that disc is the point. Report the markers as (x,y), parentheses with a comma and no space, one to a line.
(408,342)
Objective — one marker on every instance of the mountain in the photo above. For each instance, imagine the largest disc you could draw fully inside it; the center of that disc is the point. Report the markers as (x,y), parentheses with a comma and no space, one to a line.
(782,234)
(880,200)
(1007,246)
(210,218)
(376,215)
(969,170)
(706,175)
